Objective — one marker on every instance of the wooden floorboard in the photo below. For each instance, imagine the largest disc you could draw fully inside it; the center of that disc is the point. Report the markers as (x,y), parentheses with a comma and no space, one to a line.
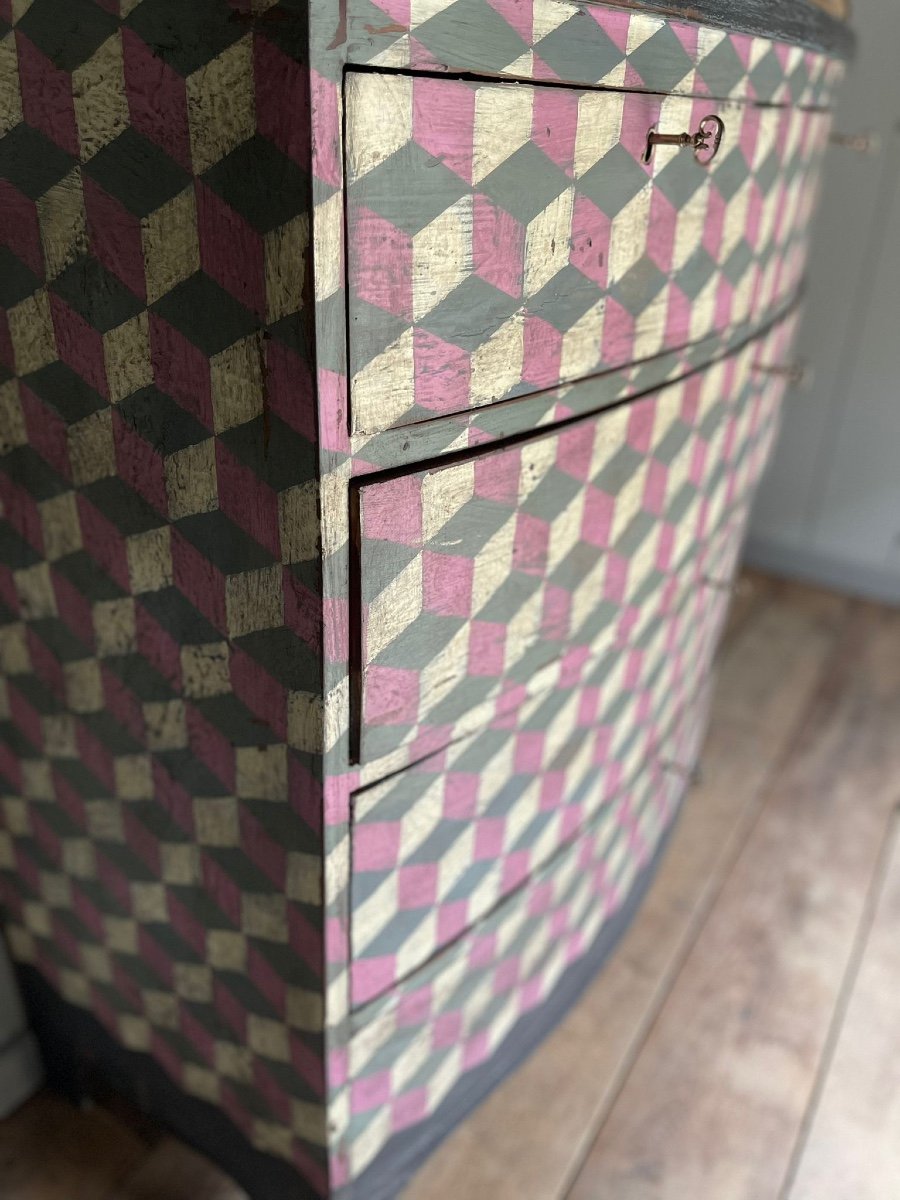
(174,1172)
(717,1096)
(852,1147)
(50,1150)
(519,1145)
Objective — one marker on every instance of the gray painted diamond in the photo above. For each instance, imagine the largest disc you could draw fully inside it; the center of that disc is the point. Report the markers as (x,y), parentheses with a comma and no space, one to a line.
(409,189)
(721,70)
(662,60)
(639,285)
(579,49)
(613,181)
(525,183)
(448,36)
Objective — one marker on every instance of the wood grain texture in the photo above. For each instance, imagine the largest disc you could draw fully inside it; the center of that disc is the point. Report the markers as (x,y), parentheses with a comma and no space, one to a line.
(779,641)
(52,1151)
(730,1065)
(820,23)
(172,1171)
(853,1144)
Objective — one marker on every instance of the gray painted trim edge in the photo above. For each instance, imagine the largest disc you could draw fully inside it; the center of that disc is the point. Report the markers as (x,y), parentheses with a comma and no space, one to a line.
(810,567)
(800,21)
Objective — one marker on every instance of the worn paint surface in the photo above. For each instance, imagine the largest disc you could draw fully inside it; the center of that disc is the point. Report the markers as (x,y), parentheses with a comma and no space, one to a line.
(586,43)
(521,789)
(505,239)
(436,847)
(431,856)
(432,850)
(160,616)
(458,1009)
(478,576)
(174,641)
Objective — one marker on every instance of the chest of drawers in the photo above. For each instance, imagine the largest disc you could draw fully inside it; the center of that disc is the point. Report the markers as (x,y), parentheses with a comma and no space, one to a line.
(382,402)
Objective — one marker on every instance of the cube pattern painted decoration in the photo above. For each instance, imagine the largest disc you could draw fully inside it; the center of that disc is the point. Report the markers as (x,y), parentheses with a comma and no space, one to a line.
(478,576)
(181,471)
(160,623)
(591,44)
(435,848)
(505,238)
(417,1043)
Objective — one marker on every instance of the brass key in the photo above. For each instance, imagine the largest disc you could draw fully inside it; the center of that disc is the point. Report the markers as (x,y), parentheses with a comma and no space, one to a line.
(705,142)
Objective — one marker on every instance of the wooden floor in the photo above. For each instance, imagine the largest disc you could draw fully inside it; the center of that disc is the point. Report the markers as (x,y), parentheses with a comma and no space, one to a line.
(744,1042)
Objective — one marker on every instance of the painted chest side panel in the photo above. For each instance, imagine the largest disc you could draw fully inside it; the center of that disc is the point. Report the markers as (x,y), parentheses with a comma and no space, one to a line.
(160,790)
(477,576)
(587,43)
(504,239)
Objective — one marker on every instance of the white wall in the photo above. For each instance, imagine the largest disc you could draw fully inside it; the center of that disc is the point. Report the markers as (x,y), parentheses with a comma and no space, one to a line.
(21,1072)
(829,509)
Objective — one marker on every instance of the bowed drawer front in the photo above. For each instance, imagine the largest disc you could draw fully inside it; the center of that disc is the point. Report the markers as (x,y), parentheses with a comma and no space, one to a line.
(505,238)
(411,1046)
(480,579)
(434,848)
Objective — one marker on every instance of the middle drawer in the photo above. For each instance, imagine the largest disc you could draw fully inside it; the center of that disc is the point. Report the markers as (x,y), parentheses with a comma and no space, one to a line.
(481,579)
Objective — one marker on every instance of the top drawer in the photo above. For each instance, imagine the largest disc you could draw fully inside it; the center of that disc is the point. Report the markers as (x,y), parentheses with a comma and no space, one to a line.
(505,238)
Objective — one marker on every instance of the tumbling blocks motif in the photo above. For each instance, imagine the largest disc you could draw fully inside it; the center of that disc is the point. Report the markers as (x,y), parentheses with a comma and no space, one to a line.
(590,44)
(630,512)
(174,535)
(497,861)
(479,577)
(503,239)
(159,609)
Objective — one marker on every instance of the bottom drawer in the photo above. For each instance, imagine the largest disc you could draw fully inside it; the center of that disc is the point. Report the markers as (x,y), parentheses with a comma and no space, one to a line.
(409,1049)
(436,847)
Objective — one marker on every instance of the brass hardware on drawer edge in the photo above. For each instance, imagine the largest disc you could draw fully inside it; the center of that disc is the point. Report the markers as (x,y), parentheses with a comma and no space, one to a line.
(692,776)
(859,143)
(705,142)
(731,587)
(798,375)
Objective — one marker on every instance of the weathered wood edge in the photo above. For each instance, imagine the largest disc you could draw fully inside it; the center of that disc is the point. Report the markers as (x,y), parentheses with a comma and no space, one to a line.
(800,21)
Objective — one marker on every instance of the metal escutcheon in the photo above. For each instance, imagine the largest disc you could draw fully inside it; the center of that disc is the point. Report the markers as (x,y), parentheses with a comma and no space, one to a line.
(859,143)
(797,375)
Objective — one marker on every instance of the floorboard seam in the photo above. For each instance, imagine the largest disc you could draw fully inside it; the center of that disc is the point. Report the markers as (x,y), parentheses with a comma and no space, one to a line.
(755,810)
(845,994)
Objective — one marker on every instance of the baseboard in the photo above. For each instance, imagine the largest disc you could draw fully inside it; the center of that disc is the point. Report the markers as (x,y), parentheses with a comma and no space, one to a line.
(870,583)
